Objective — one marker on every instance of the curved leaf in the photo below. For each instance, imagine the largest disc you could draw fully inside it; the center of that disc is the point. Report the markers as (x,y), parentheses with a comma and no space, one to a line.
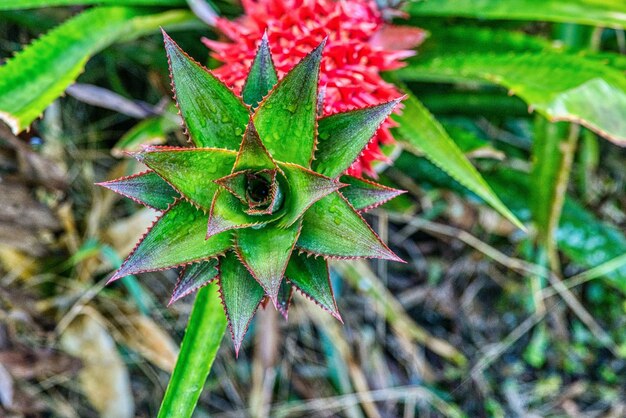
(560,86)
(606,13)
(422,132)
(41,72)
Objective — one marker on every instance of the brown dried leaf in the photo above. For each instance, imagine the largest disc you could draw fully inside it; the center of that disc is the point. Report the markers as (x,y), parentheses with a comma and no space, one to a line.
(150,341)
(104,378)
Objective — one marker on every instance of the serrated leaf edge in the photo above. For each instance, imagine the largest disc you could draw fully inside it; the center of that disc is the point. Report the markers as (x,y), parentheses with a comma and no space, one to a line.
(106,184)
(195,260)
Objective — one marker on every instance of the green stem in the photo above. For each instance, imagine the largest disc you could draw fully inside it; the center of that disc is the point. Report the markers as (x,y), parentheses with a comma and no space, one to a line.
(206,327)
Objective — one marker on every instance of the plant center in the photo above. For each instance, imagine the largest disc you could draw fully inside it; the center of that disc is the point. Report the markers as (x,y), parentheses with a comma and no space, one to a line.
(258,189)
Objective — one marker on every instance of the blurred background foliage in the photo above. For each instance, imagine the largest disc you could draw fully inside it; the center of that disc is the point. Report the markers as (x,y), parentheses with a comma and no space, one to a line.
(485,319)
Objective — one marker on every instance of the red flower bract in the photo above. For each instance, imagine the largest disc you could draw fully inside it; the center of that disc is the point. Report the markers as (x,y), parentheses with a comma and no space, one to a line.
(360,45)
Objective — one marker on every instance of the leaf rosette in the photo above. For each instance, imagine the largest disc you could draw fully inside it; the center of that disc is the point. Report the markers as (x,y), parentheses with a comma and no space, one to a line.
(260,202)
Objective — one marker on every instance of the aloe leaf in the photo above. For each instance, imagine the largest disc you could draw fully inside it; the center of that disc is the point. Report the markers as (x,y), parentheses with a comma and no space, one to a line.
(193,277)
(342,137)
(310,275)
(364,195)
(305,188)
(41,72)
(286,118)
(214,116)
(34,4)
(235,184)
(190,171)
(332,228)
(284,299)
(422,132)
(559,86)
(262,76)
(265,252)
(145,188)
(176,238)
(227,212)
(252,153)
(241,295)
(204,333)
(611,13)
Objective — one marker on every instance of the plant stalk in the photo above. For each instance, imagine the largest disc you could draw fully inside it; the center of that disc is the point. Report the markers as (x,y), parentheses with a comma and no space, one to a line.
(205,330)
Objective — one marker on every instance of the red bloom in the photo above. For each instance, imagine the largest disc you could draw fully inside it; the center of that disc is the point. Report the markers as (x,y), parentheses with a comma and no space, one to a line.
(359,46)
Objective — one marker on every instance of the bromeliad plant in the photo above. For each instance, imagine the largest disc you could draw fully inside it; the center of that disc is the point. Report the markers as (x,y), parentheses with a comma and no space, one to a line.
(260,203)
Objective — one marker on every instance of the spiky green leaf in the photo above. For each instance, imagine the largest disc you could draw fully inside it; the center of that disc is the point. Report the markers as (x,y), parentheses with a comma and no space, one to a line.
(252,153)
(195,276)
(41,72)
(310,275)
(305,188)
(227,212)
(214,116)
(364,195)
(241,295)
(145,188)
(286,118)
(559,86)
(265,252)
(332,228)
(190,171)
(342,137)
(177,238)
(262,76)
(423,133)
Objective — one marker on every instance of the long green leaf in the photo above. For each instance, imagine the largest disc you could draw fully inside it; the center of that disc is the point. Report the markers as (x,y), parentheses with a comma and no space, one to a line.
(40,73)
(607,13)
(581,236)
(35,4)
(559,86)
(422,132)
(205,330)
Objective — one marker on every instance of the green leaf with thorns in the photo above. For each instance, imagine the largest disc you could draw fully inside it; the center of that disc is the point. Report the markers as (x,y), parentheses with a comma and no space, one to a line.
(257,204)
